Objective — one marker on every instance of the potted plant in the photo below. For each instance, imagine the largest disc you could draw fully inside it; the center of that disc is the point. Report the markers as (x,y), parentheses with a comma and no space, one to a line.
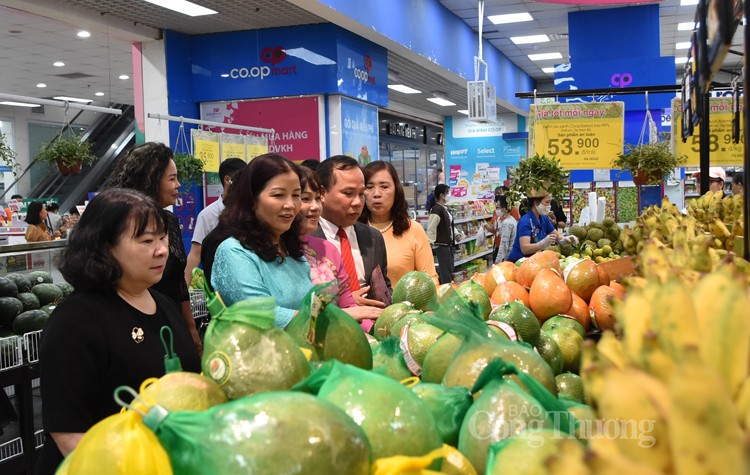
(649,163)
(536,175)
(8,155)
(68,153)
(189,168)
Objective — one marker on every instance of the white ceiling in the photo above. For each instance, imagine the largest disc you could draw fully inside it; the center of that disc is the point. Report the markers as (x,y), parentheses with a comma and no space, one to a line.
(31,42)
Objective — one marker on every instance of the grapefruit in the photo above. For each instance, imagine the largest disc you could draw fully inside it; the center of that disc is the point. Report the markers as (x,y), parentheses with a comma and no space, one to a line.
(184,391)
(444,292)
(388,317)
(582,278)
(570,385)
(570,343)
(580,311)
(416,287)
(549,295)
(520,318)
(602,314)
(550,352)
(439,357)
(420,338)
(485,280)
(619,289)
(476,295)
(504,272)
(531,267)
(510,292)
(603,275)
(563,321)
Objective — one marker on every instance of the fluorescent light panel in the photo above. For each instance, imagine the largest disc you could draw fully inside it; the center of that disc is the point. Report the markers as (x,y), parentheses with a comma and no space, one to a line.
(403,89)
(525,40)
(682,45)
(543,56)
(550,70)
(184,7)
(686,26)
(441,102)
(72,99)
(18,104)
(463,111)
(100,93)
(58,64)
(680,60)
(83,34)
(510,18)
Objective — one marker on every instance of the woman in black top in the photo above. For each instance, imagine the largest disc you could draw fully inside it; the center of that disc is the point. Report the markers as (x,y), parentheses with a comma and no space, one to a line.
(106,333)
(440,233)
(149,168)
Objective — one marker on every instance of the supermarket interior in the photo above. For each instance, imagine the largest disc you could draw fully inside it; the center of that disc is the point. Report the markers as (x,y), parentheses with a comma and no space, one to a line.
(569,174)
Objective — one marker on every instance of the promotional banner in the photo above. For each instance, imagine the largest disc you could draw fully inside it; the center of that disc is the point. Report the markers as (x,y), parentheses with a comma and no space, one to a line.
(295,121)
(723,150)
(206,148)
(359,131)
(581,136)
(255,145)
(232,146)
(477,156)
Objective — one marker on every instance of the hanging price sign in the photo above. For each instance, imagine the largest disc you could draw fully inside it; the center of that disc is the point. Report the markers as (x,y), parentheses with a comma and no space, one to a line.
(206,148)
(582,136)
(722,149)
(232,146)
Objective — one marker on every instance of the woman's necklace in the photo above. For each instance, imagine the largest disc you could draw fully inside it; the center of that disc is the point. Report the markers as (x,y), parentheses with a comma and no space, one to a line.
(384,230)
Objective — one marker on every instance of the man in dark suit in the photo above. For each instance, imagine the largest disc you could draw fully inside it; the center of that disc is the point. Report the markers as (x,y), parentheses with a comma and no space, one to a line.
(362,247)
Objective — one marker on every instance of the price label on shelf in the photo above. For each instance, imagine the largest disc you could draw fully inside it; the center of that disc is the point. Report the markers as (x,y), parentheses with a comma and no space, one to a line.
(722,149)
(582,136)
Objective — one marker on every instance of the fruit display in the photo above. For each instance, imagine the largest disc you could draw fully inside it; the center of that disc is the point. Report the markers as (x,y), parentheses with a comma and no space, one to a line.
(580,200)
(27,300)
(598,241)
(608,192)
(627,203)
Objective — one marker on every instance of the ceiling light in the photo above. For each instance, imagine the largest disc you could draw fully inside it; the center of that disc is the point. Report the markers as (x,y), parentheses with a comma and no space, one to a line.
(525,40)
(58,64)
(18,104)
(184,7)
(683,45)
(685,3)
(225,75)
(72,99)
(509,18)
(100,93)
(680,60)
(123,77)
(440,99)
(463,111)
(41,84)
(686,26)
(83,34)
(403,89)
(543,56)
(550,70)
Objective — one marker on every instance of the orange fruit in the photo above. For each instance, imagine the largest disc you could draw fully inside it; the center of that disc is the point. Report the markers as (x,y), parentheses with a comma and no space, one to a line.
(602,314)
(504,271)
(485,280)
(603,275)
(549,295)
(510,292)
(580,311)
(619,288)
(531,267)
(583,278)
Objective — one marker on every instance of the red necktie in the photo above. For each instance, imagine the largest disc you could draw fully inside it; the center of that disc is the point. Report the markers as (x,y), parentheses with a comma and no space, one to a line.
(346,256)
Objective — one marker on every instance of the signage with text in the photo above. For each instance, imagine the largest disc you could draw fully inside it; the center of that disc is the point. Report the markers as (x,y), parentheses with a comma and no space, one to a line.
(359,131)
(723,151)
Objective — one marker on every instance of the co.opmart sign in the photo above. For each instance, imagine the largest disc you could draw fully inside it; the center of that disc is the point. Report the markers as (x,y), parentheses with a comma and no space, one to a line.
(271,55)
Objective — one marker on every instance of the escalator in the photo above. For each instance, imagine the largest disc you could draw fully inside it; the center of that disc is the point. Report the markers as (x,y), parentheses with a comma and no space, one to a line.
(110,136)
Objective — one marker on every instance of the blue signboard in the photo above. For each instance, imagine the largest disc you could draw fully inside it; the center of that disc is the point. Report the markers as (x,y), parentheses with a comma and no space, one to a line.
(362,69)
(359,131)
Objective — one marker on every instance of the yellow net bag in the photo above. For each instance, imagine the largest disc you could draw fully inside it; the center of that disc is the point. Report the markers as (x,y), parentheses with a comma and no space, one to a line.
(454,463)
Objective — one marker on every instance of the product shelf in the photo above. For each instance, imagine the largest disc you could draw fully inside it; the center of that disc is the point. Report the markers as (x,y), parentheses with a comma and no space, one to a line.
(472,218)
(472,257)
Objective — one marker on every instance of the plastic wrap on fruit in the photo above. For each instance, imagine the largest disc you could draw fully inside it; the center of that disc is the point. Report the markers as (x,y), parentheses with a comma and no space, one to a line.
(395,420)
(532,450)
(329,332)
(245,353)
(269,433)
(448,406)
(388,359)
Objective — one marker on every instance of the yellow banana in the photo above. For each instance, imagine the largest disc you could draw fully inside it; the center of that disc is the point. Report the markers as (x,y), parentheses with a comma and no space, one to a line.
(700,258)
(605,458)
(654,360)
(742,403)
(674,319)
(704,430)
(634,321)
(719,229)
(612,349)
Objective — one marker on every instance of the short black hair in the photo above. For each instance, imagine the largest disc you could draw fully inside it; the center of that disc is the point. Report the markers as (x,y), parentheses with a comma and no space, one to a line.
(142,168)
(16,197)
(32,212)
(441,189)
(88,263)
(738,178)
(230,167)
(53,206)
(74,210)
(502,201)
(311,163)
(337,162)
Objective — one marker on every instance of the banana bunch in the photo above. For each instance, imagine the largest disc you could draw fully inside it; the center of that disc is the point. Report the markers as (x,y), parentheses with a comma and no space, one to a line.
(722,217)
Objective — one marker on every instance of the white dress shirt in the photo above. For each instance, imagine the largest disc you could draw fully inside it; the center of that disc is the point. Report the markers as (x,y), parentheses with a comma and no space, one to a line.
(330,230)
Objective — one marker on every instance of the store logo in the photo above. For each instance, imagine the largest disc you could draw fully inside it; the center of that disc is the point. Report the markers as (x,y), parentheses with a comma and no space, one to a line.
(270,55)
(364,74)
(273,55)
(621,79)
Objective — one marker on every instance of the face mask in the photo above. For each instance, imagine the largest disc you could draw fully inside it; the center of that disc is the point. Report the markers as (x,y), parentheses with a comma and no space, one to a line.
(543,210)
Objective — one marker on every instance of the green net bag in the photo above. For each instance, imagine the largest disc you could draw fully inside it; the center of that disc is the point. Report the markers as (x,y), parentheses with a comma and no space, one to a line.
(388,359)
(271,433)
(448,405)
(395,420)
(329,332)
(536,451)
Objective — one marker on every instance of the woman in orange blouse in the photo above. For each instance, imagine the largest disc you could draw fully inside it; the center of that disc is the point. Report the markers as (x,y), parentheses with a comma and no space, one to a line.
(36,217)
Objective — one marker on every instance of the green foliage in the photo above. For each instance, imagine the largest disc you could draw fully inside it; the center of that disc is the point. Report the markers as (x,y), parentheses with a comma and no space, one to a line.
(538,173)
(655,160)
(8,155)
(189,168)
(67,151)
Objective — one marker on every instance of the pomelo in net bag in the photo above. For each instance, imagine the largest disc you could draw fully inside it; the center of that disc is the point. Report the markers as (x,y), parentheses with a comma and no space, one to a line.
(388,359)
(182,391)
(394,419)
(271,433)
(447,405)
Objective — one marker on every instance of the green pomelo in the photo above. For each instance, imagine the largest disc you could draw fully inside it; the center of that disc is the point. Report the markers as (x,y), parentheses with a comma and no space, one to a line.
(550,352)
(184,391)
(388,317)
(416,287)
(521,318)
(532,451)
(475,294)
(570,385)
(409,318)
(439,357)
(502,330)
(338,336)
(570,343)
(444,292)
(421,337)
(388,359)
(563,321)
(448,406)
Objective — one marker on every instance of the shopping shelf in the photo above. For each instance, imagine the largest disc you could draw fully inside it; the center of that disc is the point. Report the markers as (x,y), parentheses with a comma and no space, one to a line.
(11,355)
(10,449)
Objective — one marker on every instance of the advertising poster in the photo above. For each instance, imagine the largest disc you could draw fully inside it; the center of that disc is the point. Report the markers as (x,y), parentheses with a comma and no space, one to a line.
(232,146)
(206,148)
(295,121)
(581,136)
(359,131)
(723,151)
(477,155)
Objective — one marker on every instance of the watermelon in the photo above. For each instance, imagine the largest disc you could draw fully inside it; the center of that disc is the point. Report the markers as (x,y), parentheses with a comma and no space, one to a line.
(39,277)
(47,293)
(29,301)
(48,309)
(10,307)
(8,288)
(66,288)
(29,321)
(21,281)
